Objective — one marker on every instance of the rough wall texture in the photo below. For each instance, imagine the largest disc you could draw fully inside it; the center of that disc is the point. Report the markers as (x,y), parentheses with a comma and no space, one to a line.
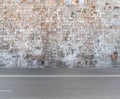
(36,33)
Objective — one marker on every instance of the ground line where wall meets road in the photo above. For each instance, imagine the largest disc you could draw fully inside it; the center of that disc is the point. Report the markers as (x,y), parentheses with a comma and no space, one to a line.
(55,76)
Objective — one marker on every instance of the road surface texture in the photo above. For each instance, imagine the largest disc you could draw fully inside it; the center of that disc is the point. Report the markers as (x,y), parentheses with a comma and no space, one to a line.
(61,87)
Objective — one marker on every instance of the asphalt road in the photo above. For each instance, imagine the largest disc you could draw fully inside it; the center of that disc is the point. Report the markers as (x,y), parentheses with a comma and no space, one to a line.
(63,71)
(59,87)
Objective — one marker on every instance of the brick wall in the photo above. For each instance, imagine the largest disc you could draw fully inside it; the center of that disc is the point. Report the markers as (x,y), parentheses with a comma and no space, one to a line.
(47,34)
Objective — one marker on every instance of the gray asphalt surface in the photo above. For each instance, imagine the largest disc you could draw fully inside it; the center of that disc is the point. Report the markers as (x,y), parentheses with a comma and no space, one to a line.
(62,71)
(60,88)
